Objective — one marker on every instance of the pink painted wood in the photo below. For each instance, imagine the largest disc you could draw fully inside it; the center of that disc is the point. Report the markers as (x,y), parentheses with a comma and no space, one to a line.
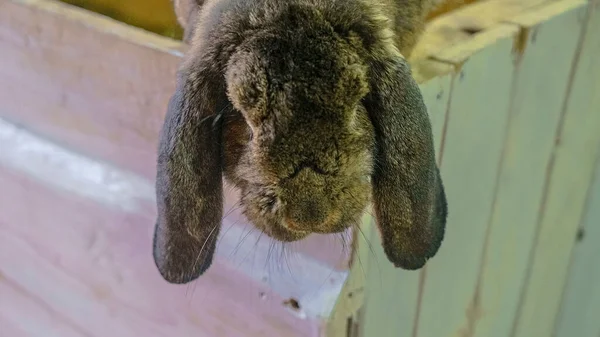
(77,202)
(85,269)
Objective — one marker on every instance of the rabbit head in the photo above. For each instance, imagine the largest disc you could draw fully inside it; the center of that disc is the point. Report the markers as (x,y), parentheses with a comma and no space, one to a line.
(305,157)
(312,113)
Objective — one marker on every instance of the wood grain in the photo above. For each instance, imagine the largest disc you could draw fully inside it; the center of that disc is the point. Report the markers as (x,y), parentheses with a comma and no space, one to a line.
(581,300)
(392,292)
(476,121)
(537,96)
(569,179)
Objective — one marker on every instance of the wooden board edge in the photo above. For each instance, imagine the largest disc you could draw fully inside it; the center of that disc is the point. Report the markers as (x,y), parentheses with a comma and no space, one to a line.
(535,16)
(460,53)
(108,25)
(427,69)
(344,316)
(465,23)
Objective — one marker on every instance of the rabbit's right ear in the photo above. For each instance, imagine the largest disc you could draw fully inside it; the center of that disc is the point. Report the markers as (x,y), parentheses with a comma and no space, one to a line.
(408,195)
(189,188)
(187,13)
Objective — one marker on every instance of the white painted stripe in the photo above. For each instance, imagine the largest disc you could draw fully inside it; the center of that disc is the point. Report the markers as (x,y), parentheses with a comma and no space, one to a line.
(53,165)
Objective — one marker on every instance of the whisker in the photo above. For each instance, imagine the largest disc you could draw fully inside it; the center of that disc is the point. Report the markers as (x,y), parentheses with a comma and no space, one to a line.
(253,250)
(372,251)
(252,229)
(241,241)
(267,262)
(212,231)
(210,234)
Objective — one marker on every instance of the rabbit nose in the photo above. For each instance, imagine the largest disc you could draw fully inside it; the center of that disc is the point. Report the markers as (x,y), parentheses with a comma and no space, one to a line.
(306,215)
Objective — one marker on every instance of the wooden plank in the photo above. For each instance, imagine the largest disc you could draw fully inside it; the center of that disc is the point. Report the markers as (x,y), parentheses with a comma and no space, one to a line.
(535,113)
(392,292)
(346,314)
(581,300)
(100,87)
(577,147)
(461,25)
(86,252)
(476,128)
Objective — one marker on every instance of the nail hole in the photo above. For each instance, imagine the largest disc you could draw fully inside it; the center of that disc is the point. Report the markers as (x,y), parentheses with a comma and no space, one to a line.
(580,234)
(292,303)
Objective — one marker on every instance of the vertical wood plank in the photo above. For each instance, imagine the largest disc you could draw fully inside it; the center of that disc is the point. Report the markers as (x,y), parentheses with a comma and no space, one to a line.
(392,292)
(345,315)
(569,180)
(581,301)
(535,112)
(476,128)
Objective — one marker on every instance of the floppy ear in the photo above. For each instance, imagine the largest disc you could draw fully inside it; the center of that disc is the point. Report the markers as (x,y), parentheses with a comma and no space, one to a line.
(189,178)
(409,199)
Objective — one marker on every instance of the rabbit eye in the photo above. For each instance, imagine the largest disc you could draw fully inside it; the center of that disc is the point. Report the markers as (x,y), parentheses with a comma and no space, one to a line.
(250,134)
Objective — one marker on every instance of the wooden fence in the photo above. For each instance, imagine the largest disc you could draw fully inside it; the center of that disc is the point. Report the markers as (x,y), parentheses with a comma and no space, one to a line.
(513,91)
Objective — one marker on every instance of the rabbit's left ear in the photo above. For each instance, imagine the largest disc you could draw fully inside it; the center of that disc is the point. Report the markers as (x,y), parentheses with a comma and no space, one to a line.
(189,190)
(408,195)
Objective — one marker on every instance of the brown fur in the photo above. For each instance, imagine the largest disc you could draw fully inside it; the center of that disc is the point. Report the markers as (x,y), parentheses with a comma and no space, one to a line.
(308,107)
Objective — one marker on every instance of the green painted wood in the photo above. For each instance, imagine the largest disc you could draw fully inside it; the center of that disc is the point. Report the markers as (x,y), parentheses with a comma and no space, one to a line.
(581,301)
(352,296)
(569,181)
(535,113)
(476,130)
(391,293)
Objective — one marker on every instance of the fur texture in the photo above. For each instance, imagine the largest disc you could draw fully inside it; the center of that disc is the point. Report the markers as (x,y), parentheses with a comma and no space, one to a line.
(309,108)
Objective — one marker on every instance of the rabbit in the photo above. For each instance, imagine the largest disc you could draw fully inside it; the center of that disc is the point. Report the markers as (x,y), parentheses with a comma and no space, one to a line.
(308,107)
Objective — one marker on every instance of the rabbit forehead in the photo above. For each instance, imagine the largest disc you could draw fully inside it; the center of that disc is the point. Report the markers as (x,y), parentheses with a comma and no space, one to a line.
(303,59)
(321,79)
